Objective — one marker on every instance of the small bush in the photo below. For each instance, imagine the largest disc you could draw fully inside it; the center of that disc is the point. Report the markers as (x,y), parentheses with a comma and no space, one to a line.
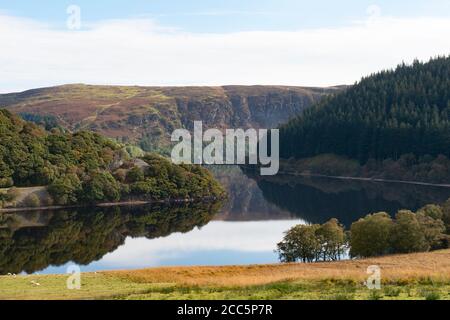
(342,296)
(431,295)
(375,295)
(392,291)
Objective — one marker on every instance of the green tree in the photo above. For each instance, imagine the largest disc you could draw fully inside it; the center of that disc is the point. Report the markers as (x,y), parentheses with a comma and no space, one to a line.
(432,229)
(66,190)
(371,236)
(446,216)
(407,234)
(101,187)
(433,211)
(300,244)
(333,240)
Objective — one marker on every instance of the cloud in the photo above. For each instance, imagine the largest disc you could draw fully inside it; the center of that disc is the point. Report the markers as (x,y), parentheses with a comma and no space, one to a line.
(217,236)
(140,52)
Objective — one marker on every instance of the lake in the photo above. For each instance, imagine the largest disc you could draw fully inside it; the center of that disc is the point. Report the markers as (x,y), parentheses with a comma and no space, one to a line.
(244,229)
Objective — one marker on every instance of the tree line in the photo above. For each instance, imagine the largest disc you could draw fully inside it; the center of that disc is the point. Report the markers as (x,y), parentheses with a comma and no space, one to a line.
(374,235)
(385,115)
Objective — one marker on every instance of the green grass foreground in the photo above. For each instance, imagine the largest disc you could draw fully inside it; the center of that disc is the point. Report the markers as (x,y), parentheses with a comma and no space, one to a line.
(423,276)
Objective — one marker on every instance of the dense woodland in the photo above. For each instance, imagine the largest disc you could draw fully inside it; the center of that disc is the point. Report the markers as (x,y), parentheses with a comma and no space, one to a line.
(85,167)
(384,116)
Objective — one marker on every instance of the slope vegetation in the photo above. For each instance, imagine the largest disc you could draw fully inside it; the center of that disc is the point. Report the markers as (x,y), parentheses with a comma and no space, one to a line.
(148,115)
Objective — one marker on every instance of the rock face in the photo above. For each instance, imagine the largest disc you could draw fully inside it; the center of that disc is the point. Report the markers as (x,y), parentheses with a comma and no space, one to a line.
(149,114)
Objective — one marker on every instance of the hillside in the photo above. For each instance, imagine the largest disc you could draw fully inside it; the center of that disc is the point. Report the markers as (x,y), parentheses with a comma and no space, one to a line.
(86,167)
(384,116)
(148,115)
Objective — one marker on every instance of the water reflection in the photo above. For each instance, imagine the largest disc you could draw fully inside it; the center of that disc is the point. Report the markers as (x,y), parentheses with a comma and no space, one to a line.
(316,200)
(243,230)
(30,242)
(217,243)
(246,201)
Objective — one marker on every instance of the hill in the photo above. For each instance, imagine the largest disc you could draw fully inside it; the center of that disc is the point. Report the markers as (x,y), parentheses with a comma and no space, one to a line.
(86,167)
(384,116)
(148,115)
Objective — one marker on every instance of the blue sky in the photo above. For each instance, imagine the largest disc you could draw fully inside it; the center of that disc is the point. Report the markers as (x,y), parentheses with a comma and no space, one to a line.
(227,15)
(215,42)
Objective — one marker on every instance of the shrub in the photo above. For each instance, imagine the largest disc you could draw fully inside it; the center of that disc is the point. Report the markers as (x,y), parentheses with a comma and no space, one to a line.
(392,291)
(431,294)
(375,295)
(135,175)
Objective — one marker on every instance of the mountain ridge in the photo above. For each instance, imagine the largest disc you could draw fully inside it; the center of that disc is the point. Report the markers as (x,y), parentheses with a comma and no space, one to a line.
(148,115)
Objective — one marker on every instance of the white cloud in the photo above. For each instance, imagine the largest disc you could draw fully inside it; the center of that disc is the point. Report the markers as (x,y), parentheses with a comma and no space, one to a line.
(217,236)
(139,52)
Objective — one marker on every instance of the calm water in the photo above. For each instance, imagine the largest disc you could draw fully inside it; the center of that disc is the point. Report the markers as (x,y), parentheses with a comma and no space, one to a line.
(243,230)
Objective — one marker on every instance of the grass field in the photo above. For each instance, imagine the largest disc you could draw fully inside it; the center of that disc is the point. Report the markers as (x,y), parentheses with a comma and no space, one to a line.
(414,276)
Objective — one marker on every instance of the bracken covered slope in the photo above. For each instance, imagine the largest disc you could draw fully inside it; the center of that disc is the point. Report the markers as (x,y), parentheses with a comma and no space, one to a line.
(149,114)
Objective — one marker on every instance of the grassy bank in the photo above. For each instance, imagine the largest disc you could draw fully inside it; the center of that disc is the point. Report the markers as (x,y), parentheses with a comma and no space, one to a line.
(414,276)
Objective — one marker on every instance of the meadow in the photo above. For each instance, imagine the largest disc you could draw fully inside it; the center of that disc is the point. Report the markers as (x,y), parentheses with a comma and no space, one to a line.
(421,276)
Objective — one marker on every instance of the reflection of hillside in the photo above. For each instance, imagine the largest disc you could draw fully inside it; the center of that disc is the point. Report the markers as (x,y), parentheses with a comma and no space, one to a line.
(245,199)
(319,199)
(54,238)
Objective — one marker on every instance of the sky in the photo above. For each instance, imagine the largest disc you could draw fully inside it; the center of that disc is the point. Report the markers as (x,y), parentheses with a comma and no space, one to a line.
(214,42)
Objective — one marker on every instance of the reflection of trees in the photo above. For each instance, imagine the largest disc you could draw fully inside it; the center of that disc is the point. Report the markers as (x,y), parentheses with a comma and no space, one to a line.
(316,200)
(86,235)
(245,201)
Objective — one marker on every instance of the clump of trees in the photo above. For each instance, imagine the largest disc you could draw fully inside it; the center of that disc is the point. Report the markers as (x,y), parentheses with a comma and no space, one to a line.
(408,232)
(374,235)
(308,243)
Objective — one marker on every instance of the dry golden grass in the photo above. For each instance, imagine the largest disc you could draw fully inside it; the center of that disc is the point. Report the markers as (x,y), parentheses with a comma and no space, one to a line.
(413,267)
(416,276)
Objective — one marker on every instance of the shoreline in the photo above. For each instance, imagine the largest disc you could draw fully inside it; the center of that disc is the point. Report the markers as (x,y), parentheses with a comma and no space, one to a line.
(373,179)
(428,184)
(109,204)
